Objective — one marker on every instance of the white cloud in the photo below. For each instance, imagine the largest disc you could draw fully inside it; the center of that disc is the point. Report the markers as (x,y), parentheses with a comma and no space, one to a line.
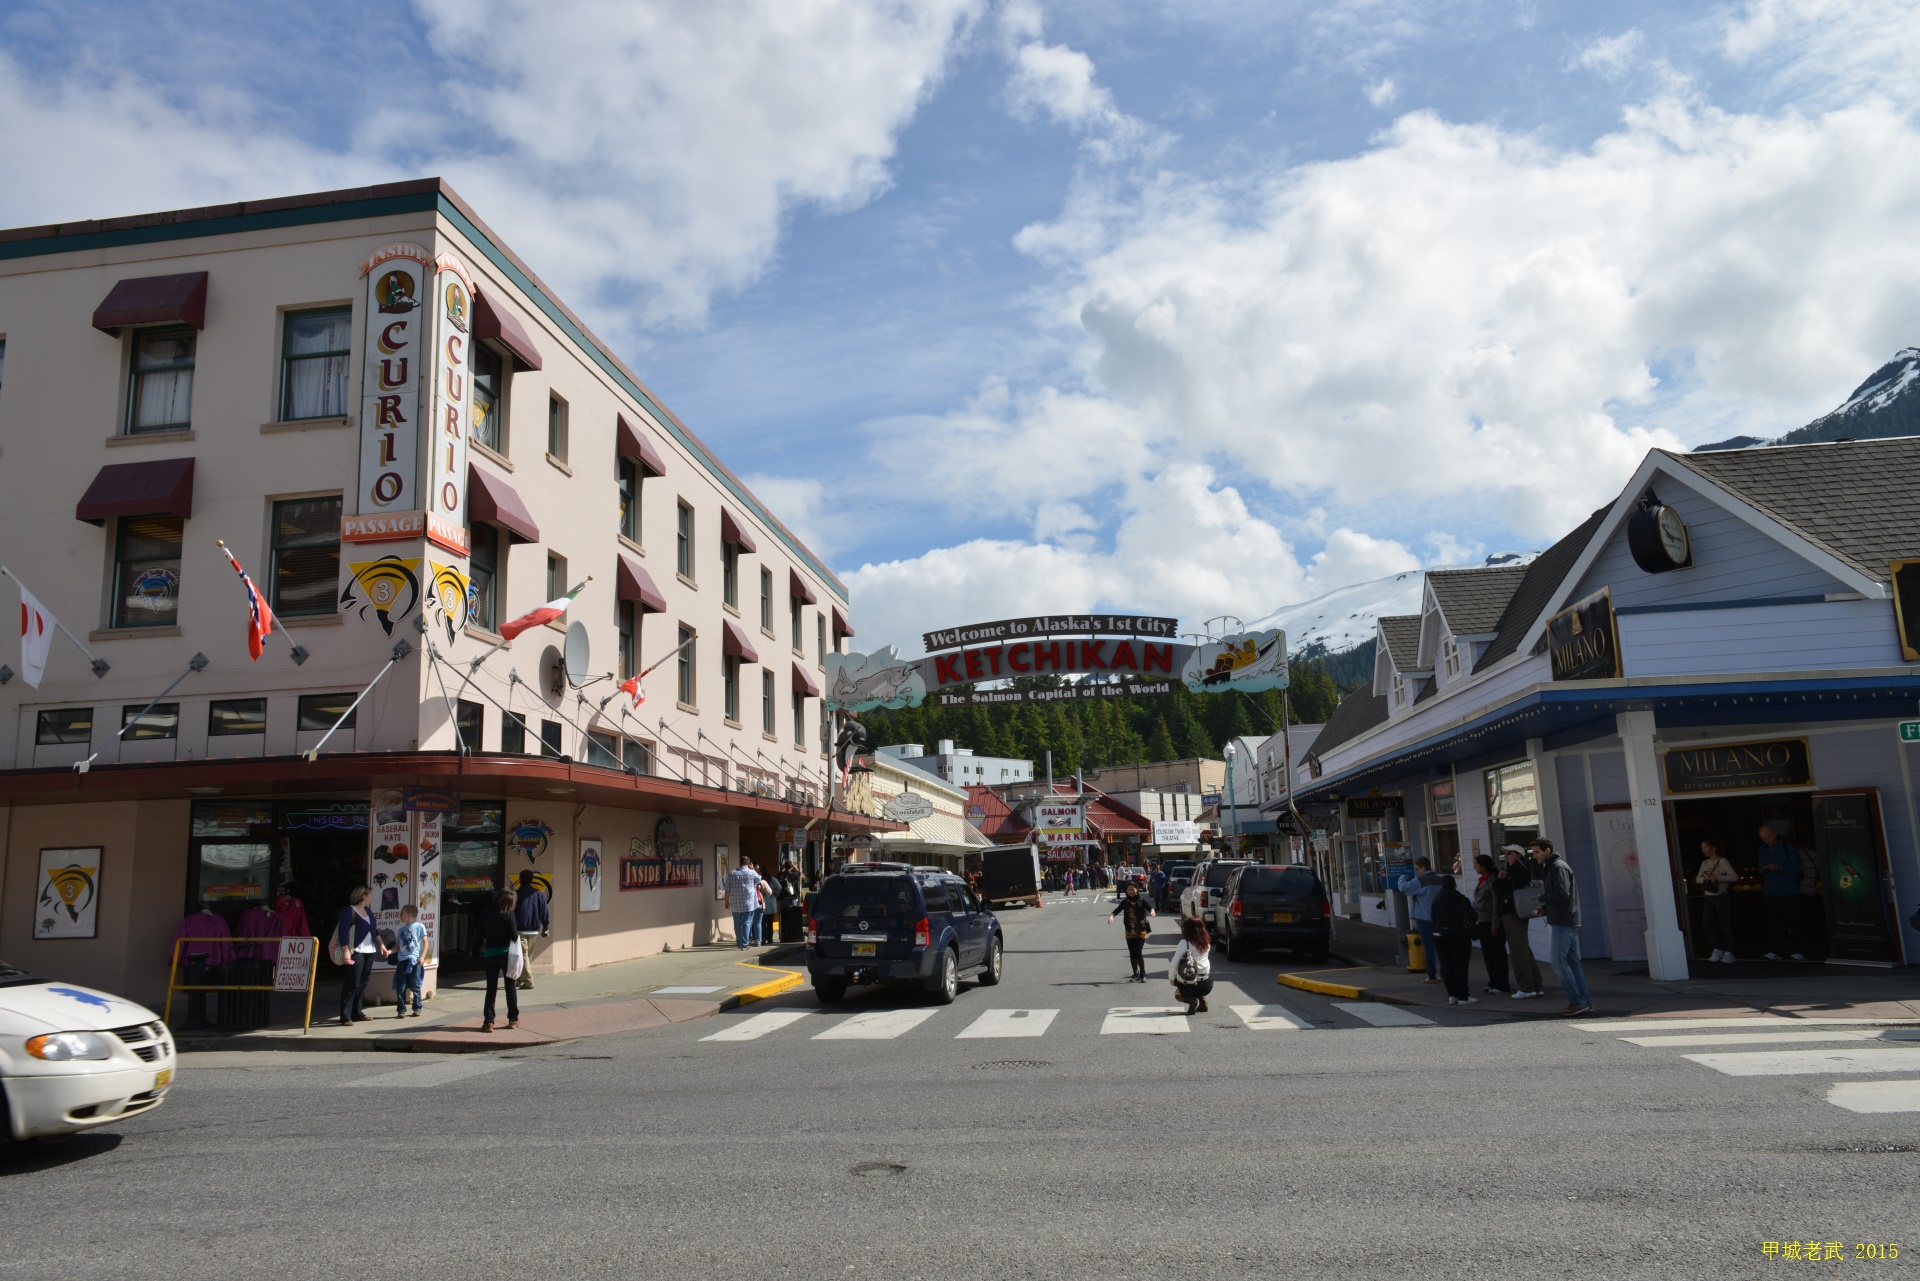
(1825,52)
(642,154)
(1382,92)
(1612,56)
(1458,317)
(801,504)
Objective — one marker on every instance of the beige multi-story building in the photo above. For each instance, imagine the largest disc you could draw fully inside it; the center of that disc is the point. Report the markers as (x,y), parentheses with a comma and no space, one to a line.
(408,442)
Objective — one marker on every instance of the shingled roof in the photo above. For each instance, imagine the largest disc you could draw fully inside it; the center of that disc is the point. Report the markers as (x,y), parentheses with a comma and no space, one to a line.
(1538,586)
(1357,713)
(1856,499)
(1473,600)
(1402,633)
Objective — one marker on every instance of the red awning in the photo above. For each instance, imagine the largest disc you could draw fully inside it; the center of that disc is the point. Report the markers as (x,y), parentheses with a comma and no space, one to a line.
(734,641)
(631,442)
(160,487)
(154,300)
(632,582)
(841,627)
(499,325)
(732,531)
(805,683)
(491,499)
(797,586)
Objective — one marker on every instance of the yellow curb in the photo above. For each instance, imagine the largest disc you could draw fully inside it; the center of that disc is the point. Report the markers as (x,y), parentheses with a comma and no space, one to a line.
(1324,989)
(788,980)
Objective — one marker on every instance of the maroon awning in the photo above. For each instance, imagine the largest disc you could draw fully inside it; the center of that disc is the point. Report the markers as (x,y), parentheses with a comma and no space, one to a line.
(797,586)
(841,627)
(491,499)
(733,531)
(805,683)
(158,487)
(634,583)
(734,641)
(497,324)
(631,442)
(154,300)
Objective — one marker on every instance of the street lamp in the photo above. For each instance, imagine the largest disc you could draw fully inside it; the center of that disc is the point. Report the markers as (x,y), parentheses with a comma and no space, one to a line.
(1232,800)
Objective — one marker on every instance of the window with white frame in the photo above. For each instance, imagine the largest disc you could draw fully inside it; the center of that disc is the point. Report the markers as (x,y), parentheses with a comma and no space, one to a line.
(1450,654)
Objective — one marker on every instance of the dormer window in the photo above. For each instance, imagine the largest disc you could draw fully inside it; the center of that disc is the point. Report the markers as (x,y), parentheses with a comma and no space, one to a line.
(1450,654)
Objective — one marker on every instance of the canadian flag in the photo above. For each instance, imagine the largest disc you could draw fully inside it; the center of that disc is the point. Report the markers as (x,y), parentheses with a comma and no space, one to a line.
(631,688)
(545,614)
(36,638)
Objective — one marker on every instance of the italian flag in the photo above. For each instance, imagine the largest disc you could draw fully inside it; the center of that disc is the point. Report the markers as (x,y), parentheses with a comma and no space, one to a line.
(545,614)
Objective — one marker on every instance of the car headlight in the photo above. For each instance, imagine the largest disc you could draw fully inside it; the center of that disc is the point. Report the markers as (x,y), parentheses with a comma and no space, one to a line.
(64,1047)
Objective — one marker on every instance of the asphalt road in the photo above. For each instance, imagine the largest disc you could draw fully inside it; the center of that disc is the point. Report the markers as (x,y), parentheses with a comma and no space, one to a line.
(1296,1140)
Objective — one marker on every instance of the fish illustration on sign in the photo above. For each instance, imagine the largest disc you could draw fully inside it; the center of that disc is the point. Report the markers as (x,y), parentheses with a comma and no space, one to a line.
(529,836)
(74,887)
(860,682)
(1248,661)
(391,586)
(450,596)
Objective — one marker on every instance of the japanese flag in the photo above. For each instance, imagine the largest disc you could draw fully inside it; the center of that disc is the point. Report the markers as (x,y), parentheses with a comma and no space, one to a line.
(36,638)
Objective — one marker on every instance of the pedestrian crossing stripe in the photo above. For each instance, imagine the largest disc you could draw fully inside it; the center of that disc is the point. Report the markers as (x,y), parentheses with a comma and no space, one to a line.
(1270,1018)
(1153,1020)
(1874,1050)
(1383,1015)
(1809,1062)
(875,1025)
(1757,1020)
(996,1024)
(752,1029)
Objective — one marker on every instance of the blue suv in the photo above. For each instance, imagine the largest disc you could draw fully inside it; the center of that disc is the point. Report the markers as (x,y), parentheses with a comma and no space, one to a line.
(900,926)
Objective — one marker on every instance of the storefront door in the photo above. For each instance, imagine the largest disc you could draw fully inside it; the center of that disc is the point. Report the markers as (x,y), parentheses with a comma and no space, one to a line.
(1445,838)
(1733,823)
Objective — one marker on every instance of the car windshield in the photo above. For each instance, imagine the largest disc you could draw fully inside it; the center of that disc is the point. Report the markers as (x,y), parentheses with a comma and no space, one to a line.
(1217,874)
(1295,882)
(850,898)
(1179,869)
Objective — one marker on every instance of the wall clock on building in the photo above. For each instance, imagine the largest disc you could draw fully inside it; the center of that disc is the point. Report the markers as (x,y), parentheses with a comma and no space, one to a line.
(1658,538)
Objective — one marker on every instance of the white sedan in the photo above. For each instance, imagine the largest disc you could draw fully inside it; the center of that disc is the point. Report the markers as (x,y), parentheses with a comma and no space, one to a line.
(72,1058)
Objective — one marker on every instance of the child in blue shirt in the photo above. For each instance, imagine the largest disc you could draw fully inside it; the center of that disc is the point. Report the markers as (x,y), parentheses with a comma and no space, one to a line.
(409,962)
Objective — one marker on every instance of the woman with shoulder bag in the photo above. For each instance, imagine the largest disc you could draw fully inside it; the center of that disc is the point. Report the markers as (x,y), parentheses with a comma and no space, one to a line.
(1136,911)
(499,936)
(356,941)
(1191,971)
(1715,878)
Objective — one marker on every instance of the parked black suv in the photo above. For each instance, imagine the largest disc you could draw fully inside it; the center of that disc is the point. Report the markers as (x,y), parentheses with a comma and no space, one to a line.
(1277,906)
(900,927)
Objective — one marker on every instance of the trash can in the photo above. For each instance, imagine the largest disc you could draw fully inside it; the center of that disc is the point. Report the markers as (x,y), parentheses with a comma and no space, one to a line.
(1416,953)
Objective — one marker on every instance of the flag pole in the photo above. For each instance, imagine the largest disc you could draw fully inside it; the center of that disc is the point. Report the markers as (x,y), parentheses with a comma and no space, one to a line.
(300,654)
(197,663)
(400,650)
(100,665)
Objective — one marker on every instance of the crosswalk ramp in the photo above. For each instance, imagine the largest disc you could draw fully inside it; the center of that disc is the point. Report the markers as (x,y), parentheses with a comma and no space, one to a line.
(1773,1045)
(1030,1024)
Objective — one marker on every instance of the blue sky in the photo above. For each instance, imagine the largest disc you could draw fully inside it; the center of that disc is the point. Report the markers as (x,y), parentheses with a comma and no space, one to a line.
(1189,307)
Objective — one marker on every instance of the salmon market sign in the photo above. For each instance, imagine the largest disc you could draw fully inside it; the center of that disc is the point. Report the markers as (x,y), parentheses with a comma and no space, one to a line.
(1061,645)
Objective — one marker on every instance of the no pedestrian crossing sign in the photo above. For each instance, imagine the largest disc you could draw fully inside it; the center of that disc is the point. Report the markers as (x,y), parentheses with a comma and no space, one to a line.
(1910,731)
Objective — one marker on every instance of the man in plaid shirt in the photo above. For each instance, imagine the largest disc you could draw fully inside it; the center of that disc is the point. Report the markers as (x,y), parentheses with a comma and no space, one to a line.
(744,901)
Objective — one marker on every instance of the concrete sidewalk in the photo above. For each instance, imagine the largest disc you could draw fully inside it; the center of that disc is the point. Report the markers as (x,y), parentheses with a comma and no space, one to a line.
(1367,954)
(625,996)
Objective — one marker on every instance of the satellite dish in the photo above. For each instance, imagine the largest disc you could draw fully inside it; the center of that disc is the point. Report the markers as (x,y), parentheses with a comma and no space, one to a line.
(578,655)
(553,674)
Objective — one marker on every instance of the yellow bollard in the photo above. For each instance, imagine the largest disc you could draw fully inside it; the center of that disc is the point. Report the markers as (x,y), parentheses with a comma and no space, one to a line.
(1416,953)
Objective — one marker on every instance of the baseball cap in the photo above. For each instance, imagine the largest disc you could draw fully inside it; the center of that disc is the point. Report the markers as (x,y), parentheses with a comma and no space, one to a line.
(1511,849)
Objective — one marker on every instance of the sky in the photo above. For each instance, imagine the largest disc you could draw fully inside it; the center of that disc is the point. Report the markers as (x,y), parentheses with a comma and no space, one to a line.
(1194,308)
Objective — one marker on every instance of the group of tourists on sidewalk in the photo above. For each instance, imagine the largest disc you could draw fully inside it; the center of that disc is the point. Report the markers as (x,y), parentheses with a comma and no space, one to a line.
(1504,901)
(754,900)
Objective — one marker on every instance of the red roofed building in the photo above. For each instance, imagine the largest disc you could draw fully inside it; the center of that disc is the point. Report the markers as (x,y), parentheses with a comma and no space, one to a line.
(1119,829)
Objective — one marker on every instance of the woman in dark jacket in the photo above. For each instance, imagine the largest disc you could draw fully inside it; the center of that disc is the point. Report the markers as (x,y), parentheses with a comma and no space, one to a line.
(498,934)
(358,936)
(1486,911)
(1454,926)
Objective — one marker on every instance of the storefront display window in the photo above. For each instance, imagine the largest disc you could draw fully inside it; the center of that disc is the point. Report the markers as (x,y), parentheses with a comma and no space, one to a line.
(1513,804)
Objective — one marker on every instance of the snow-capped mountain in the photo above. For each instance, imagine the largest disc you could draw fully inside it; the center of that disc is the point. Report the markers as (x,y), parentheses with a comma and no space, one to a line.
(1886,404)
(1343,618)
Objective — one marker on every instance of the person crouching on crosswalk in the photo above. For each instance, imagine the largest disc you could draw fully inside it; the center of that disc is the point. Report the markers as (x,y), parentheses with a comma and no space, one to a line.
(1135,912)
(1191,971)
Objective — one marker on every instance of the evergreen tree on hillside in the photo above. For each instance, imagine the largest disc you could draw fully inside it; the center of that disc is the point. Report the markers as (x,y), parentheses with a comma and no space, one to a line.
(1160,743)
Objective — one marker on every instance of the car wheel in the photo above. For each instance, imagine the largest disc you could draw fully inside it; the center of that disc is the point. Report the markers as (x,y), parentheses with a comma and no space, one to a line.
(995,959)
(945,984)
(830,991)
(1236,950)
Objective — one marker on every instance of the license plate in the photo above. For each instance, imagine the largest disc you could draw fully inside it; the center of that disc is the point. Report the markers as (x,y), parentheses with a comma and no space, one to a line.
(1283,918)
(864,949)
(162,1079)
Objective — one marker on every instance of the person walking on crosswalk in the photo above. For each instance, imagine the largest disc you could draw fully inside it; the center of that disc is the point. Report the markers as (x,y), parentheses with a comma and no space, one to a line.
(1135,912)
(1191,970)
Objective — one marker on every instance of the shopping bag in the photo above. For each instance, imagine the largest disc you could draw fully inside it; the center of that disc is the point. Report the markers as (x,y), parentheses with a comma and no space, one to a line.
(516,959)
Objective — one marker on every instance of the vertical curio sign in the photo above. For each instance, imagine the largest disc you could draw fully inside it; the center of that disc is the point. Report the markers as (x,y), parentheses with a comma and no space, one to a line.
(397,279)
(446,438)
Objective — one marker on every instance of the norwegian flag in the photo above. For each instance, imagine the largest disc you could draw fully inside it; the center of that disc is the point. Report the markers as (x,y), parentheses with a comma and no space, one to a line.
(259,613)
(631,688)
